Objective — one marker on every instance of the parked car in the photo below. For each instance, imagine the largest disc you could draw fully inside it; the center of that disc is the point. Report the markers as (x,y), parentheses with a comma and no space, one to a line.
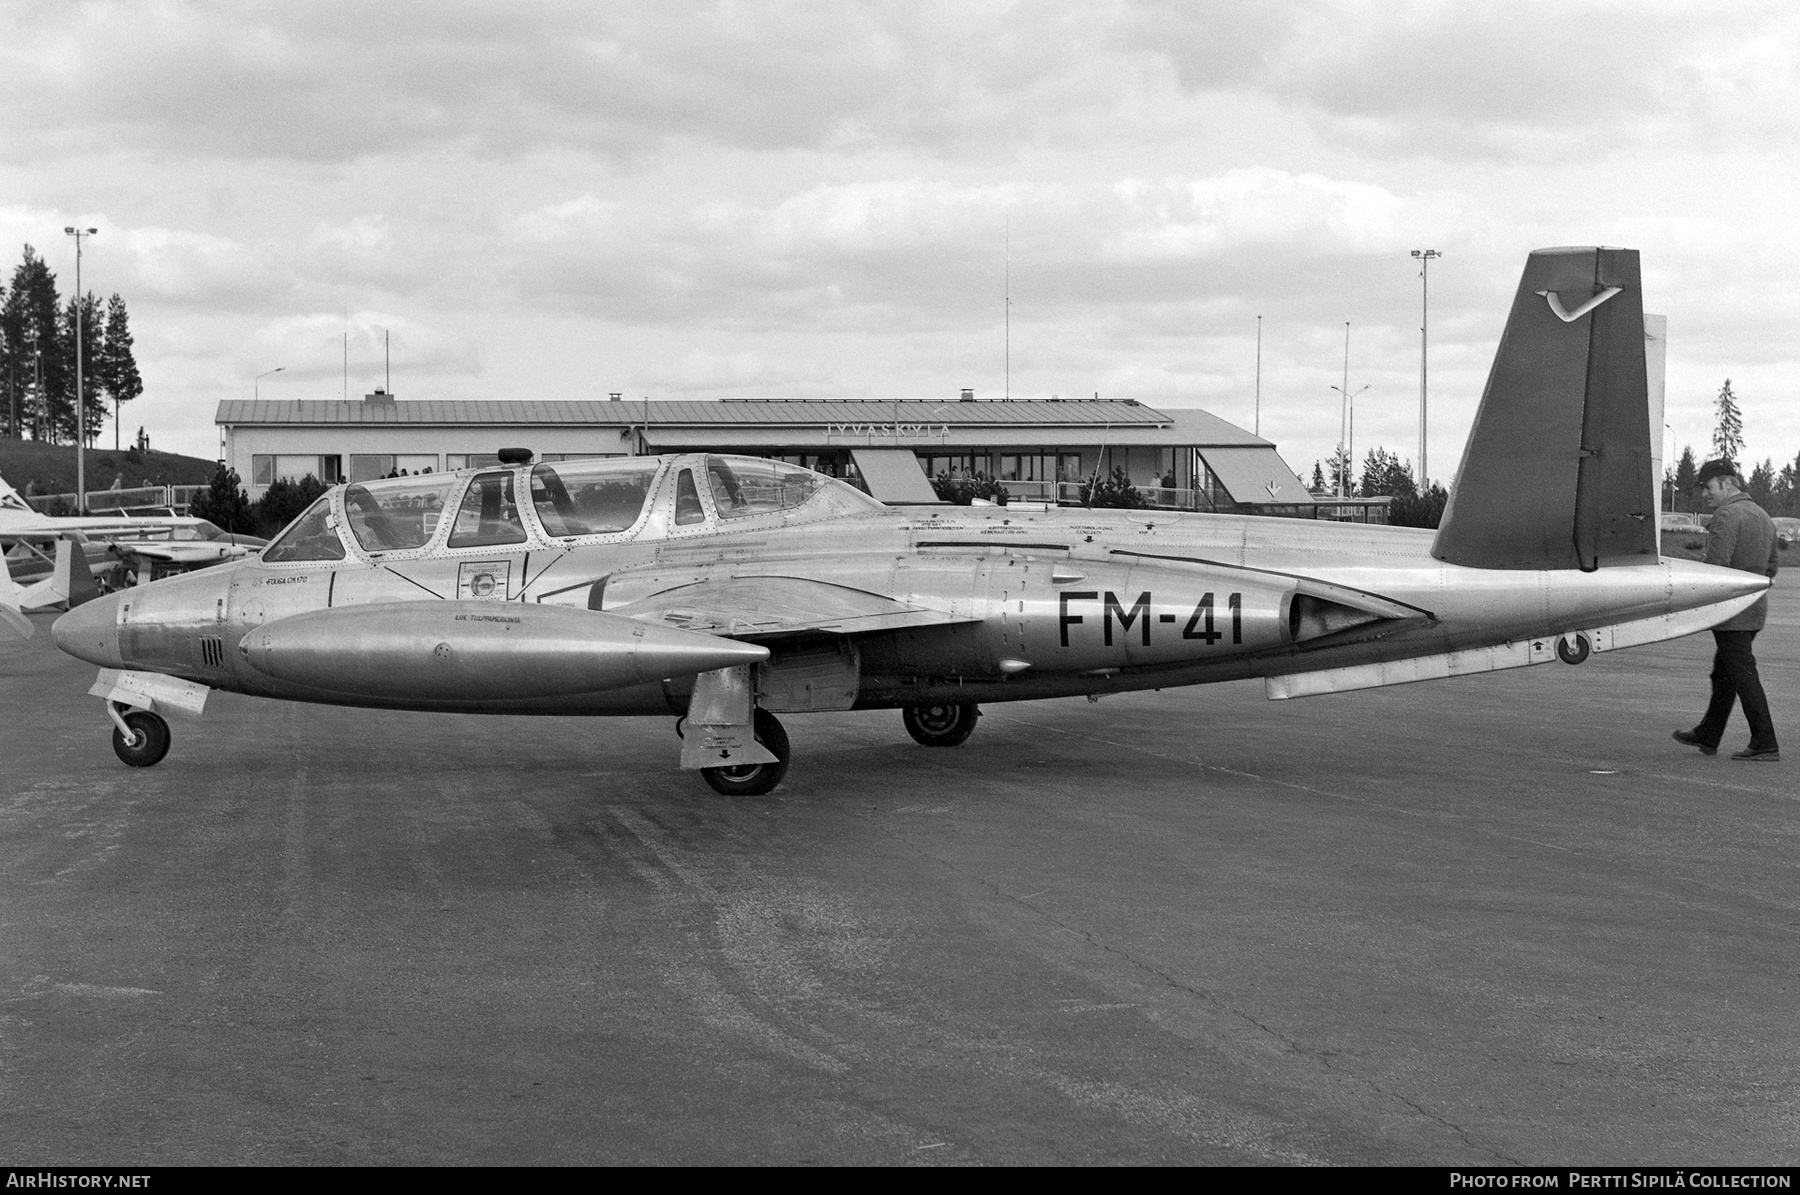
(1787,532)
(1679,520)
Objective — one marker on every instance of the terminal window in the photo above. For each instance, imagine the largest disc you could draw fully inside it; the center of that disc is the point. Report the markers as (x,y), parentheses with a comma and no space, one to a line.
(267,469)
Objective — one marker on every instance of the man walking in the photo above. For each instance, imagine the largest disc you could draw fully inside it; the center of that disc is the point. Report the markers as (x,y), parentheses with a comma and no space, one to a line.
(1741,536)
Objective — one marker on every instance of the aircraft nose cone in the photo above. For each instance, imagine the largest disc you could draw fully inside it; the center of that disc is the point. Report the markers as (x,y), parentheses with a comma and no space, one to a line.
(90,631)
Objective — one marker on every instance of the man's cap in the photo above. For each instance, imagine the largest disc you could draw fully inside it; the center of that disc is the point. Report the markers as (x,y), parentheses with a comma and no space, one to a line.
(1711,469)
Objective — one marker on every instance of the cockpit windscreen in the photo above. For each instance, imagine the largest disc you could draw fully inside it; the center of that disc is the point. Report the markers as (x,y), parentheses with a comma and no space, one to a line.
(311,537)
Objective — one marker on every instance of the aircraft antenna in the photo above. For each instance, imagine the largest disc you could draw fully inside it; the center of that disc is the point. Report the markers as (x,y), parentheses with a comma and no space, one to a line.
(1094,480)
(1009,307)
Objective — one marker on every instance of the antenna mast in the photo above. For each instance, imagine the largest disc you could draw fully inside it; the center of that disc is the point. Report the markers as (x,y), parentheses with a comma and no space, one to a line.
(1258,427)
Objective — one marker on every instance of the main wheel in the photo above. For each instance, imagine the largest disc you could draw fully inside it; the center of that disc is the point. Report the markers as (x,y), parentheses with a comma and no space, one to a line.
(754,779)
(940,725)
(149,740)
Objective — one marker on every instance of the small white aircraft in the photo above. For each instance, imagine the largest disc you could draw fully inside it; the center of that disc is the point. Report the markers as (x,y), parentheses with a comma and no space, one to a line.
(113,550)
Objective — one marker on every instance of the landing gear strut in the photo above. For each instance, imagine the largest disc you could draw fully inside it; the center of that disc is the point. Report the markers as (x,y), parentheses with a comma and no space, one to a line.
(941,725)
(140,738)
(754,779)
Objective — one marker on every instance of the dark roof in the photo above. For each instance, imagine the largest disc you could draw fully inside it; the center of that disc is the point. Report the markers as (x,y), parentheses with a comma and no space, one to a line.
(805,413)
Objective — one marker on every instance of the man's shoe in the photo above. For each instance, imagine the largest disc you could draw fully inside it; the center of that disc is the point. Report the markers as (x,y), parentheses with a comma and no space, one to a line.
(1694,740)
(1762,755)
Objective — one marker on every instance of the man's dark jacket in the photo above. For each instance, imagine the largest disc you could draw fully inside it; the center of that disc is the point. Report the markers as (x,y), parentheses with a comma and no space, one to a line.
(1742,536)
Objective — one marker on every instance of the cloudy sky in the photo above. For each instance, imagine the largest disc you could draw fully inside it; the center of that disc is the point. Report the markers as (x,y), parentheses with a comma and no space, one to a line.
(703,200)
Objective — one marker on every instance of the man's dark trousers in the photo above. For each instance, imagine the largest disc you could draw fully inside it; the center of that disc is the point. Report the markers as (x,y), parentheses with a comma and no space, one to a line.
(1734,678)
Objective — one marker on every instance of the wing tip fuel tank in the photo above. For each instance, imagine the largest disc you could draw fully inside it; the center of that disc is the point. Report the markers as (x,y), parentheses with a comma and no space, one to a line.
(455,651)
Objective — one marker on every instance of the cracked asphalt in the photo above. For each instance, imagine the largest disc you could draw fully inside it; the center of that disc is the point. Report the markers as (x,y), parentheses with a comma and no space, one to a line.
(1501,919)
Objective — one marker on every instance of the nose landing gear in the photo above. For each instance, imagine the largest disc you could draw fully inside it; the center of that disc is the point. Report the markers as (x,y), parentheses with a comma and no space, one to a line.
(140,738)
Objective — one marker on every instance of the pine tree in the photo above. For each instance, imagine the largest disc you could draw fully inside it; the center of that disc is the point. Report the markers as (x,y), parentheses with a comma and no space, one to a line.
(223,503)
(31,325)
(118,367)
(1728,436)
(1761,484)
(1685,472)
(1385,475)
(1318,478)
(1341,481)
(1787,489)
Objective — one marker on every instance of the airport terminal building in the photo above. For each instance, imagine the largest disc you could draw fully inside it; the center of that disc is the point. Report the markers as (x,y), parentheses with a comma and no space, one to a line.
(1040,449)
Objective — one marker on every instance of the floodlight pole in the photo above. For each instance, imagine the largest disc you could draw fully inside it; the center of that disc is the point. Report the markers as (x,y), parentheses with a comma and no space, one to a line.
(1424,256)
(256,382)
(1258,425)
(1350,450)
(80,394)
(1344,419)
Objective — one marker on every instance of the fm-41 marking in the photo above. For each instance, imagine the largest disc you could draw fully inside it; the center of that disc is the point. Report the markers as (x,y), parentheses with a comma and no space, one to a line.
(1200,625)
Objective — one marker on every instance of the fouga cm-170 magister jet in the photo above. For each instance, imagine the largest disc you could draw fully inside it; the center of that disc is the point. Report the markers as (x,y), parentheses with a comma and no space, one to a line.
(725,591)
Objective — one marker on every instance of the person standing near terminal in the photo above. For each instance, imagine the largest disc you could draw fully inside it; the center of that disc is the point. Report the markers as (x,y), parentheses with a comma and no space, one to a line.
(1741,536)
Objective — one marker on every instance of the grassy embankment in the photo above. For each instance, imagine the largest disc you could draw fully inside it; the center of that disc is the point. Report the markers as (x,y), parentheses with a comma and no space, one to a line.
(52,467)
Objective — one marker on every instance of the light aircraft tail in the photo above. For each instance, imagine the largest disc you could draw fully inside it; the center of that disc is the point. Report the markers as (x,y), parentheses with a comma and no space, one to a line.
(10,613)
(15,512)
(69,584)
(1557,470)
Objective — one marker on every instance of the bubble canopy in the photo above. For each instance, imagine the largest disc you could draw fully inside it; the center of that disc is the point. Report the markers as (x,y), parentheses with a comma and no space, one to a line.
(397,513)
(571,498)
(601,496)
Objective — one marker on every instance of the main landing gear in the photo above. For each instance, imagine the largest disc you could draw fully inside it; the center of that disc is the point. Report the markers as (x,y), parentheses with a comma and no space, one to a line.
(140,738)
(754,779)
(941,725)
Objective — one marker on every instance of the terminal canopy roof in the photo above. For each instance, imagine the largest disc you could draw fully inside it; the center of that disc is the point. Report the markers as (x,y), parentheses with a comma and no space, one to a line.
(893,476)
(1255,475)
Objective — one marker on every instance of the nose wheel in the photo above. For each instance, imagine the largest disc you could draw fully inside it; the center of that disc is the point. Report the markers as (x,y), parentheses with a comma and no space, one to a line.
(140,738)
(940,725)
(754,779)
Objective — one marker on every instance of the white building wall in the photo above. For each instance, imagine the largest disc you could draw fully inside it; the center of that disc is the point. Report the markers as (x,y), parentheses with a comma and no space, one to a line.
(347,440)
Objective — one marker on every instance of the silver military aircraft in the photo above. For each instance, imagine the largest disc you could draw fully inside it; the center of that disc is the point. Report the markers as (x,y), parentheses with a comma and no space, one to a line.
(725,591)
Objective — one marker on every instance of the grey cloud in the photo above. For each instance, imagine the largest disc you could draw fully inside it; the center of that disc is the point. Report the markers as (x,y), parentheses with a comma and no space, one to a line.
(331,83)
(1534,80)
(927,254)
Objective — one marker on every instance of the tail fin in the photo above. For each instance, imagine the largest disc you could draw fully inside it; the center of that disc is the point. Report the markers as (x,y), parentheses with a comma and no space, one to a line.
(1556,473)
(70,583)
(14,510)
(10,614)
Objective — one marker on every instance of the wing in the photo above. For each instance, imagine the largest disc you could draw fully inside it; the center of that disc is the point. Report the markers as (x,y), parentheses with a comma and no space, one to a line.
(771,607)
